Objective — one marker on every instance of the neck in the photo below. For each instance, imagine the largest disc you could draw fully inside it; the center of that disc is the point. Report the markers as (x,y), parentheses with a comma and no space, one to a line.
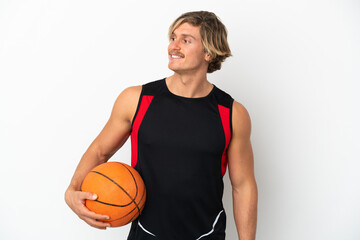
(191,86)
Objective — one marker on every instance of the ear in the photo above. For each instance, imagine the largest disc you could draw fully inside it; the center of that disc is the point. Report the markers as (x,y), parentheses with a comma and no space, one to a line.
(208,57)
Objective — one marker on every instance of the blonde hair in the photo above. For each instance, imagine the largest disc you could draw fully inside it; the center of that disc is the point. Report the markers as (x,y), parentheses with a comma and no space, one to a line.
(213,35)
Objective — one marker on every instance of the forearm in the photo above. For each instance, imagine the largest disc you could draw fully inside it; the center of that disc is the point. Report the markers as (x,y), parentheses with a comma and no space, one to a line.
(245,210)
(88,161)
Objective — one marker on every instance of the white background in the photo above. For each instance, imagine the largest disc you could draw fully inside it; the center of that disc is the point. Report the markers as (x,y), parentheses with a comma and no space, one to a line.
(295,68)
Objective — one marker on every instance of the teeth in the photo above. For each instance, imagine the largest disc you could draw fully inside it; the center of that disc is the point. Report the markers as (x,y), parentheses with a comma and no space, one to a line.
(173,56)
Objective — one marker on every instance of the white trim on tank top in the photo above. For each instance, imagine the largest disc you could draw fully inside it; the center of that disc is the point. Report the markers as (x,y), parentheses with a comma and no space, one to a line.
(213,226)
(145,229)
(204,235)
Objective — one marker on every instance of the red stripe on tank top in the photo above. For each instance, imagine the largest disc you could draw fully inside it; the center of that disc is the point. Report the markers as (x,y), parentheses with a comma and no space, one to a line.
(145,102)
(225,119)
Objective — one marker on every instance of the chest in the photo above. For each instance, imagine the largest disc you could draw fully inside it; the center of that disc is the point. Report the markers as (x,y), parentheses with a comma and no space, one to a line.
(192,128)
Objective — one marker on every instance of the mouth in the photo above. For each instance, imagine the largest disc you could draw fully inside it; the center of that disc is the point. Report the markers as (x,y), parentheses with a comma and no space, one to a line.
(175,56)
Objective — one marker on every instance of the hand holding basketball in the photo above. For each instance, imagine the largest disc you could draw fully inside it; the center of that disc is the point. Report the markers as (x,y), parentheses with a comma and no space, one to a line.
(121,192)
(76,201)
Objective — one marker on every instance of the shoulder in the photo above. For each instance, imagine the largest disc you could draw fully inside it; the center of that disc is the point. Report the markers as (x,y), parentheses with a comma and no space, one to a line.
(129,94)
(126,102)
(128,99)
(241,120)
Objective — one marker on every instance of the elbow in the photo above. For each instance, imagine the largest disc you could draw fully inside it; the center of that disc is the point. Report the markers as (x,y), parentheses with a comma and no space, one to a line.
(248,187)
(99,154)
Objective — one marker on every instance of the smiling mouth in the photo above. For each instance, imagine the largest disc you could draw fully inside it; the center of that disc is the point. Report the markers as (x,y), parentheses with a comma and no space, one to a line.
(175,55)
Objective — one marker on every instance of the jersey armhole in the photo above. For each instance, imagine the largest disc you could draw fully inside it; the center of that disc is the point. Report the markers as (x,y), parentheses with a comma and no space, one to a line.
(230,117)
(137,108)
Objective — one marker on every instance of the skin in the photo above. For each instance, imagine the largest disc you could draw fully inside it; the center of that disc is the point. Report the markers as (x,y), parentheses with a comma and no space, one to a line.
(189,80)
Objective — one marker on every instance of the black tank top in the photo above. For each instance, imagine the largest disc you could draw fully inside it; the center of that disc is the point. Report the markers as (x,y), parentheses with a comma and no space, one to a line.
(178,145)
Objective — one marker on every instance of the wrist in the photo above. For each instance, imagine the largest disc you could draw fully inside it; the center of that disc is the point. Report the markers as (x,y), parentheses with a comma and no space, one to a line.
(69,190)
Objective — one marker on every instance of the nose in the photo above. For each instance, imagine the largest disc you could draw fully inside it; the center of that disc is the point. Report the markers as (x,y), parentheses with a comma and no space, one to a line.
(174,45)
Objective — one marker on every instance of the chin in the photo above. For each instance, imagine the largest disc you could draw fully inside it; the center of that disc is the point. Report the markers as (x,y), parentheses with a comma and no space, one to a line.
(175,69)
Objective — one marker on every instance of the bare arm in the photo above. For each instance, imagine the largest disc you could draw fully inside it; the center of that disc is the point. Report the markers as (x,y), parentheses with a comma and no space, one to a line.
(241,172)
(111,138)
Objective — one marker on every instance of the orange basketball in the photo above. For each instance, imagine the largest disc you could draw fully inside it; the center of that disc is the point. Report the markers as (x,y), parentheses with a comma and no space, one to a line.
(120,189)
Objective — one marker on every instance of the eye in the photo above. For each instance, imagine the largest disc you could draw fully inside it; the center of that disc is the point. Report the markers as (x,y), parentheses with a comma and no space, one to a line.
(186,41)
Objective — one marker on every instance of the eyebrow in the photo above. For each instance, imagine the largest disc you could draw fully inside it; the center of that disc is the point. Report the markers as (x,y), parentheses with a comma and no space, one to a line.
(185,35)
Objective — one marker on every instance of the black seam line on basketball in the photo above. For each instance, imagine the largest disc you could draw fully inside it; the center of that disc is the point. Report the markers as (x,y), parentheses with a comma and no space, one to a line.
(110,204)
(140,201)
(121,217)
(126,215)
(135,186)
(132,219)
(132,200)
(116,185)
(132,177)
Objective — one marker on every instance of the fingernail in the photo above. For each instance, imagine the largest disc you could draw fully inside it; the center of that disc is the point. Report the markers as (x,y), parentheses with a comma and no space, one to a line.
(94,196)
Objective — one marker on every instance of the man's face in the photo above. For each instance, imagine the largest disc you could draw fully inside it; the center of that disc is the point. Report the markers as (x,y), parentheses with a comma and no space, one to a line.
(186,51)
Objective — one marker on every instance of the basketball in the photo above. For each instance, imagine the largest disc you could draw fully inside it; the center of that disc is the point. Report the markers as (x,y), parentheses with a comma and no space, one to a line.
(120,189)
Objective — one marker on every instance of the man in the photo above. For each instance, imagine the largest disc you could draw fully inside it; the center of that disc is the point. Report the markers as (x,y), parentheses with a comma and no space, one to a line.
(184,133)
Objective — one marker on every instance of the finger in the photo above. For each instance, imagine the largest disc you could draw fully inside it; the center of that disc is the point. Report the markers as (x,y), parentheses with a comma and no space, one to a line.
(96,224)
(89,214)
(87,195)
